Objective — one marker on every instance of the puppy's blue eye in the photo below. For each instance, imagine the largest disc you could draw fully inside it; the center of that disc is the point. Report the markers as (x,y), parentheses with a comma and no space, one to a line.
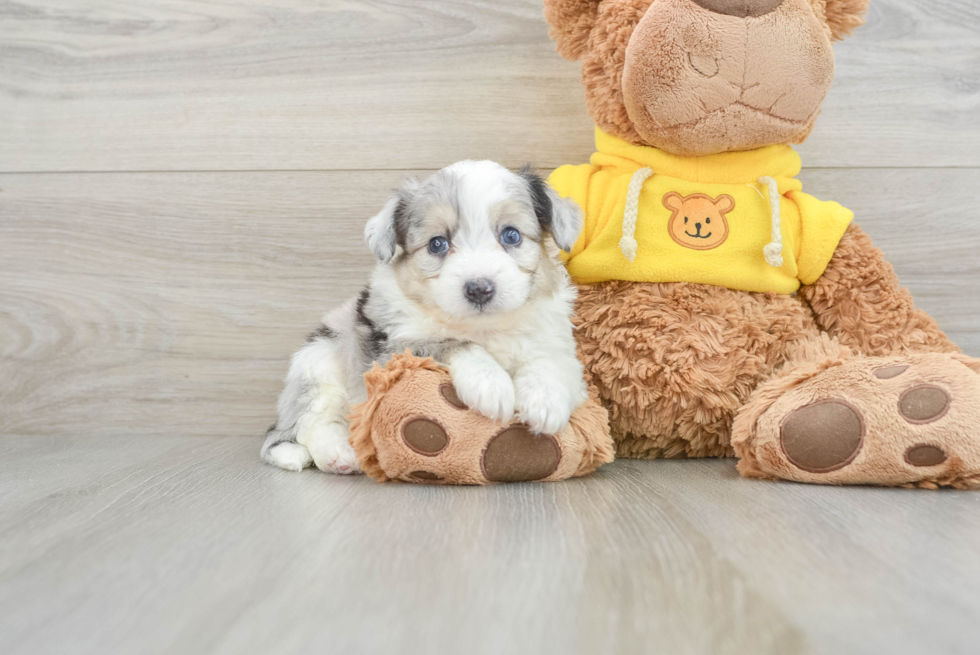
(438,245)
(510,236)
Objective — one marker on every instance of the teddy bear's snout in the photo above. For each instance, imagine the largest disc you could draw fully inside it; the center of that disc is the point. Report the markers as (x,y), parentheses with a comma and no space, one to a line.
(699,79)
(740,8)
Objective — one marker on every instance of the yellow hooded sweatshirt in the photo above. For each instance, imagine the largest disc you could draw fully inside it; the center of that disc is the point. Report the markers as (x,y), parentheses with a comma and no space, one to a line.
(738,220)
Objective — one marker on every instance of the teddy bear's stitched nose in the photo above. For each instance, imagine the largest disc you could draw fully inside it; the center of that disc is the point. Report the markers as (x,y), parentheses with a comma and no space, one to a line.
(740,8)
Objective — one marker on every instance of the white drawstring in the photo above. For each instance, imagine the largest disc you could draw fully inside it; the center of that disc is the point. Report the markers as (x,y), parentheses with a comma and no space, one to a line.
(774,251)
(628,243)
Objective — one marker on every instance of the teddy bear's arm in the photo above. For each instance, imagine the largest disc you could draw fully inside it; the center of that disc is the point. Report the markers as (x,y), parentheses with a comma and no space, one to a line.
(860,301)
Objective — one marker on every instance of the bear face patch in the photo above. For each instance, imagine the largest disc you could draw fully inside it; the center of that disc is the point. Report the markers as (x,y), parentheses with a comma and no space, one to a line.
(698,221)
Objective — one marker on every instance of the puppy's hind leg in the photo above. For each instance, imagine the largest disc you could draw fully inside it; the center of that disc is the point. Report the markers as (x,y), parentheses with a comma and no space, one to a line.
(280,447)
(280,451)
(313,410)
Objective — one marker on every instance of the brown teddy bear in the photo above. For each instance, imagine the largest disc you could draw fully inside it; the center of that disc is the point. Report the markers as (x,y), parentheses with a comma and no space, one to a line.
(722,311)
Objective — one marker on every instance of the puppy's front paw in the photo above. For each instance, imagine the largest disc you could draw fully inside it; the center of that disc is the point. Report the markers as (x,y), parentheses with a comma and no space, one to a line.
(331,451)
(543,405)
(485,387)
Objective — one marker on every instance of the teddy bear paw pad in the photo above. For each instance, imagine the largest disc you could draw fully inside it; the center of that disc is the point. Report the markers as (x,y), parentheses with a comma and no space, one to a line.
(925,455)
(823,436)
(924,404)
(425,436)
(426,476)
(517,455)
(910,421)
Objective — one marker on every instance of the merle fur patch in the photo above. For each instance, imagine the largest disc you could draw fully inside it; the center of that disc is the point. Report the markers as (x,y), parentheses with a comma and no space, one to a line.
(400,218)
(322,332)
(539,196)
(377,339)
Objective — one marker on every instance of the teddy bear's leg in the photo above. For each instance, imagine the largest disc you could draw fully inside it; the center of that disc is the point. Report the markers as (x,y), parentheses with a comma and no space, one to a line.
(860,301)
(832,416)
(674,363)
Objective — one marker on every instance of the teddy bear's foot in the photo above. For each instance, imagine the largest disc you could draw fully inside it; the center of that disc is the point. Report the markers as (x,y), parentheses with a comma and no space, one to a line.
(415,428)
(497,454)
(898,421)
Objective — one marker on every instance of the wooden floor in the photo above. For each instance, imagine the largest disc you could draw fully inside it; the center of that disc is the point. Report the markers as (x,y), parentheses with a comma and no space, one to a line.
(182,188)
(185,545)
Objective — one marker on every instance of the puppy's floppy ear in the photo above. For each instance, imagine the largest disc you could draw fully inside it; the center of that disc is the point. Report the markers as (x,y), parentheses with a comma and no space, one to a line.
(844,16)
(561,217)
(571,23)
(381,232)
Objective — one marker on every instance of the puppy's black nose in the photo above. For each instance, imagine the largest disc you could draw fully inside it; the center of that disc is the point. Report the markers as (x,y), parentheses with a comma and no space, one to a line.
(479,292)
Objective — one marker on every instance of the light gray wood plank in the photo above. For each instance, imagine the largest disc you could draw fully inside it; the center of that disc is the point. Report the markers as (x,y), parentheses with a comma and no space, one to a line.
(190,545)
(933,245)
(908,83)
(357,84)
(171,298)
(169,304)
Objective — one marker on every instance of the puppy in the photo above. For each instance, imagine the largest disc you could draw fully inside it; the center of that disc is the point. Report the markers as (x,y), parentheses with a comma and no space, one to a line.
(468,274)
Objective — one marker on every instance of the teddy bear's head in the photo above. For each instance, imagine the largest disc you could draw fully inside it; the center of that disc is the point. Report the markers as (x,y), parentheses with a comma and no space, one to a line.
(698,77)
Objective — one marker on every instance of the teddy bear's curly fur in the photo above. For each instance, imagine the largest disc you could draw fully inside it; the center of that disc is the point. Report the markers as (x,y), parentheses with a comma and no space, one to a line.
(694,370)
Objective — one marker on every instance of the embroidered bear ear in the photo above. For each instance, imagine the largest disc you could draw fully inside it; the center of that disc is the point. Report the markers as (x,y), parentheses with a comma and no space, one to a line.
(725,203)
(571,23)
(673,201)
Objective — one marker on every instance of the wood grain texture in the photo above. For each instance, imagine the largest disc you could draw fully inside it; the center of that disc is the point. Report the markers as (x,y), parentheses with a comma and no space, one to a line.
(169,299)
(189,546)
(169,304)
(362,84)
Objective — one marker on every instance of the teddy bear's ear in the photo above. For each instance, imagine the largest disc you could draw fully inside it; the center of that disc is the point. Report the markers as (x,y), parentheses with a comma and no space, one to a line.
(844,16)
(571,22)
